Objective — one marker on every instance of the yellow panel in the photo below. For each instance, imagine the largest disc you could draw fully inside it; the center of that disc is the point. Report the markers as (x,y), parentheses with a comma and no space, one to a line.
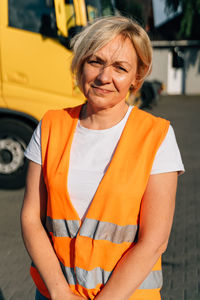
(3,22)
(38,102)
(61,16)
(77,12)
(37,76)
(3,13)
(70,15)
(82,10)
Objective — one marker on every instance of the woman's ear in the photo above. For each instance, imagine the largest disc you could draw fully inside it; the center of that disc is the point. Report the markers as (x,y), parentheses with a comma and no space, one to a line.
(136,86)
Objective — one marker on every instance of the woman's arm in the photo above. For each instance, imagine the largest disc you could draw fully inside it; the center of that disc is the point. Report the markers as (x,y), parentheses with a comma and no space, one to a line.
(36,239)
(156,217)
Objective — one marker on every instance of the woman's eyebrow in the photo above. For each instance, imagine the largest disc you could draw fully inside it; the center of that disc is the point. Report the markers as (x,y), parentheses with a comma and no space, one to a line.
(123,62)
(96,57)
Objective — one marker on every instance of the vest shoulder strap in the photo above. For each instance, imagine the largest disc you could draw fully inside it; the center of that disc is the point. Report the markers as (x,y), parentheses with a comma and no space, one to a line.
(56,126)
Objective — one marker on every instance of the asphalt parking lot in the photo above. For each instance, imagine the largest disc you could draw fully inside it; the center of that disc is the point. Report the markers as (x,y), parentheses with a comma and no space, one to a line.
(181,262)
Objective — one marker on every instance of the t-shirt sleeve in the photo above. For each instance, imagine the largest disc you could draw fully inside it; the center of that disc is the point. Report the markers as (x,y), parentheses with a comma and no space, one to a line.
(33,150)
(168,157)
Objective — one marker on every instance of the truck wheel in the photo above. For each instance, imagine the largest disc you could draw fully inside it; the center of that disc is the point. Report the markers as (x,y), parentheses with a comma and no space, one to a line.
(14,137)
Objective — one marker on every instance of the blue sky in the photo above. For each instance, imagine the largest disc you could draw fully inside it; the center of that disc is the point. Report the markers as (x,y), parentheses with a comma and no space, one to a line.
(160,15)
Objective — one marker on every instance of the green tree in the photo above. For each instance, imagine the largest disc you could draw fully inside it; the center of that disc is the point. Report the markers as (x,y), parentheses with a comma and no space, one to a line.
(189,27)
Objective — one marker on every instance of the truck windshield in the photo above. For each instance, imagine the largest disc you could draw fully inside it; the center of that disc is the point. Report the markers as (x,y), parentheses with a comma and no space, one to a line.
(98,8)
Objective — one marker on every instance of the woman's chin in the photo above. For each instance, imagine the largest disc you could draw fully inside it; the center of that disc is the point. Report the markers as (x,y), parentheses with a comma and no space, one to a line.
(97,102)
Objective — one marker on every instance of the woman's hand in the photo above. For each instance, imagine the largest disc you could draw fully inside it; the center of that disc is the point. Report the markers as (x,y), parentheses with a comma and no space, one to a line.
(69,295)
(75,297)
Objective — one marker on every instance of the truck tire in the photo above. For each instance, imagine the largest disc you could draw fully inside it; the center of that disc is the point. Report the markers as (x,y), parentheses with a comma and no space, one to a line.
(14,137)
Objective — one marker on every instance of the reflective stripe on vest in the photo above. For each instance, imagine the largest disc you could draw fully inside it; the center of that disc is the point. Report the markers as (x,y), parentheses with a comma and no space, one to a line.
(62,228)
(94,229)
(98,230)
(90,279)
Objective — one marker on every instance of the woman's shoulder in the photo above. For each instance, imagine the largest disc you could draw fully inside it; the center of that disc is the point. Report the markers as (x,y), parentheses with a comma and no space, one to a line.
(149,121)
(58,114)
(145,114)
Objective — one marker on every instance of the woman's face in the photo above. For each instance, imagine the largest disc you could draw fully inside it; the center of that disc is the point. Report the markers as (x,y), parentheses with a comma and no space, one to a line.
(109,73)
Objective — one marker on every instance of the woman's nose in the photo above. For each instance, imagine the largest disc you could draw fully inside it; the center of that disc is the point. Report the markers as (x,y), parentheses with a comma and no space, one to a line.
(105,75)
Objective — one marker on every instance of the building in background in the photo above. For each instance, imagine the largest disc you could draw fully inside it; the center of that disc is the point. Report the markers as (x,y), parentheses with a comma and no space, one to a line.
(176,61)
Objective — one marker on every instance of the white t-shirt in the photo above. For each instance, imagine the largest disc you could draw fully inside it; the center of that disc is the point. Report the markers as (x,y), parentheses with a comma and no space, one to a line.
(91,153)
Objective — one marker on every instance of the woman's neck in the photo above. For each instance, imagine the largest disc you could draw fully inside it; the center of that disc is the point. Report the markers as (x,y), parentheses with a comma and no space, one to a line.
(98,118)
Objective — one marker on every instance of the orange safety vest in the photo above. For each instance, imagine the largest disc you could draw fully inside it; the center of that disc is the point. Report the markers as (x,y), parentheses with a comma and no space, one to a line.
(88,251)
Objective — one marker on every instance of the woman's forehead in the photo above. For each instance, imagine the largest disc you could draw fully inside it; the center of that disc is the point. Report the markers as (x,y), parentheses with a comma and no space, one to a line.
(118,49)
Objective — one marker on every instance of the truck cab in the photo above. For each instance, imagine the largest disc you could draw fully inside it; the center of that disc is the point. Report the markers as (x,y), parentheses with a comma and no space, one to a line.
(35,74)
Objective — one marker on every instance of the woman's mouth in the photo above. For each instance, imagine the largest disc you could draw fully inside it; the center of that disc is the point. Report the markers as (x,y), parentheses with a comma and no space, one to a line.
(102,90)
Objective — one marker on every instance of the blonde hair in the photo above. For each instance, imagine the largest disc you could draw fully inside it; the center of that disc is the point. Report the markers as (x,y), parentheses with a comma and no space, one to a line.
(102,31)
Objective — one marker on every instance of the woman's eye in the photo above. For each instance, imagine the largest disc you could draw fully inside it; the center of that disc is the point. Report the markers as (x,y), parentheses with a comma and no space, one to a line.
(94,62)
(120,68)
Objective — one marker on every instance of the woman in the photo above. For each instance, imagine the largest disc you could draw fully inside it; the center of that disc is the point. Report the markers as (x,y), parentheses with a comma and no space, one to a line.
(102,178)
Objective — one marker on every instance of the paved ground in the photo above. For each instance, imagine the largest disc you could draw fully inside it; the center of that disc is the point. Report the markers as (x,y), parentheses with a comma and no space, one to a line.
(182,259)
(15,283)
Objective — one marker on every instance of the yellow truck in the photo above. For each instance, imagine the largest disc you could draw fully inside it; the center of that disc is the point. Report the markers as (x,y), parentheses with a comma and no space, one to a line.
(35,70)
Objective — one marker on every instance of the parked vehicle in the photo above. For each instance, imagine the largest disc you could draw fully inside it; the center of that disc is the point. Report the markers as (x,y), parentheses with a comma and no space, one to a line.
(35,70)
(148,96)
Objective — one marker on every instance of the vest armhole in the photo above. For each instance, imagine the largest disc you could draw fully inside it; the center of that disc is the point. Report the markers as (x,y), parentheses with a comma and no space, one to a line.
(164,126)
